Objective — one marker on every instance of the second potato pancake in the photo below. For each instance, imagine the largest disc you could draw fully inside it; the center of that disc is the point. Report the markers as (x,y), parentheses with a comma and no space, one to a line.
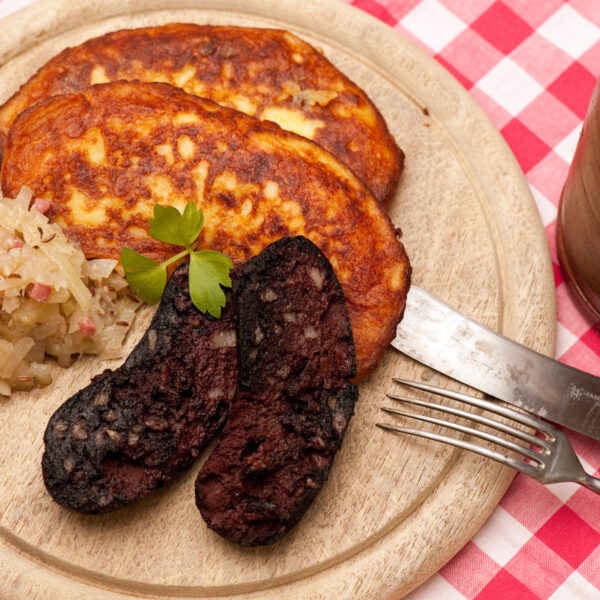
(267,73)
(105,156)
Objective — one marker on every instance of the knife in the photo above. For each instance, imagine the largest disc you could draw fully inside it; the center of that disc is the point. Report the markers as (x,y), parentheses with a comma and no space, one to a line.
(448,341)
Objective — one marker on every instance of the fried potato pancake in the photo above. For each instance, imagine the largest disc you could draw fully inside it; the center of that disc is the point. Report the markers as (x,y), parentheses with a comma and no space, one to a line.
(267,73)
(105,156)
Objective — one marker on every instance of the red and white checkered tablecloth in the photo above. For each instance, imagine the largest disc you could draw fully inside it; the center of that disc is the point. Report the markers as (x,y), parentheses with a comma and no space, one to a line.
(531,65)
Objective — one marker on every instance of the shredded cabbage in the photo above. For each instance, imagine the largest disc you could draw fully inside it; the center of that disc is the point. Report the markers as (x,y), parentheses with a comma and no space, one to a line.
(53,302)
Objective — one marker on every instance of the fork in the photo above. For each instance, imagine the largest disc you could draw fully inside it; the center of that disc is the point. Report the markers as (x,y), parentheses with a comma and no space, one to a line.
(548,459)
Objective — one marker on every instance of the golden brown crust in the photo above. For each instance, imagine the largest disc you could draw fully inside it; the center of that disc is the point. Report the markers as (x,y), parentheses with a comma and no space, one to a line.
(104,157)
(267,73)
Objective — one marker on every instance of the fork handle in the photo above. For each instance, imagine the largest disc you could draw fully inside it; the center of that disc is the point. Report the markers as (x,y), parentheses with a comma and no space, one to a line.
(592,483)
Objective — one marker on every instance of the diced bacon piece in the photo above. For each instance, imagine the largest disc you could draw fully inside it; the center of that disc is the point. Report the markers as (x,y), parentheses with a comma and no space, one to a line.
(39,292)
(87,326)
(15,242)
(41,205)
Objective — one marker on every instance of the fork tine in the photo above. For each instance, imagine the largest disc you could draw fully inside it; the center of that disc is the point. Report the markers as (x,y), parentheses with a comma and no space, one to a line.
(523,435)
(490,437)
(509,461)
(524,419)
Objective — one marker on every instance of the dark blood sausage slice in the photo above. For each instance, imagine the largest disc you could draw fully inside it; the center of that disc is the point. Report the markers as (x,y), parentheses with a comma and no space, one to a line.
(133,429)
(293,402)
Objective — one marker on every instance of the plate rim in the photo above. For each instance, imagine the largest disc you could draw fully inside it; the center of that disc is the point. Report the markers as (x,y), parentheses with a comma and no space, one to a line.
(46,17)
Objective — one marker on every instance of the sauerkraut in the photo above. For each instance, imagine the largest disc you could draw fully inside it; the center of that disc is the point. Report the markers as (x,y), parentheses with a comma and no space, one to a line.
(53,302)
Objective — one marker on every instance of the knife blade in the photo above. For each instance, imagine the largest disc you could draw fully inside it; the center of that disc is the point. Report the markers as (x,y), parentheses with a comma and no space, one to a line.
(441,337)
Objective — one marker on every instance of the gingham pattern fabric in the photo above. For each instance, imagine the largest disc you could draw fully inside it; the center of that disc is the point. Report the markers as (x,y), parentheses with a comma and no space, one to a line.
(531,65)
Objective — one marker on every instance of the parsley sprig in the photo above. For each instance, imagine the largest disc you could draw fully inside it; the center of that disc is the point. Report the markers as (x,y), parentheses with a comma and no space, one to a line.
(208,270)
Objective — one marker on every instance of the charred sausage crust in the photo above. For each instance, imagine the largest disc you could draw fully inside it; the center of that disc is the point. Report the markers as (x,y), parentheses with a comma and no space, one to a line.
(294,397)
(133,429)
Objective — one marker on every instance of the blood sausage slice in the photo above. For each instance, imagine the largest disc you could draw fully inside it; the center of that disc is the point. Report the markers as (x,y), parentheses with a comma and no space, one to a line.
(133,429)
(294,398)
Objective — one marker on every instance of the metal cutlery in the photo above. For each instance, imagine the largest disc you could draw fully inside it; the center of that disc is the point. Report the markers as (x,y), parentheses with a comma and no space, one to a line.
(543,453)
(448,341)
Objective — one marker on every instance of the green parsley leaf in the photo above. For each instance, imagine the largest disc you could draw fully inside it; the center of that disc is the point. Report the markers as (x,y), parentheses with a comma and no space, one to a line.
(209,271)
(172,227)
(146,277)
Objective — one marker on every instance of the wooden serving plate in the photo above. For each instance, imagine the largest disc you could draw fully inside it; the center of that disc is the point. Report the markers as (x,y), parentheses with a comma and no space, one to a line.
(395,509)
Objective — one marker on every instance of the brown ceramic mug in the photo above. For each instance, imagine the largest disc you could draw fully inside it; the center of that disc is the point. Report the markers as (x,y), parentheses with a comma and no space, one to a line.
(578,225)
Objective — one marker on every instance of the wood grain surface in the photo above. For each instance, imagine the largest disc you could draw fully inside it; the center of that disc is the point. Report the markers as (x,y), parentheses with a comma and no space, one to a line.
(394,509)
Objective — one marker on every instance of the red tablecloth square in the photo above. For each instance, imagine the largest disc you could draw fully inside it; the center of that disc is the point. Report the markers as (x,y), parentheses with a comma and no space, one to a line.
(527,147)
(558,275)
(592,340)
(507,586)
(574,88)
(502,27)
(558,534)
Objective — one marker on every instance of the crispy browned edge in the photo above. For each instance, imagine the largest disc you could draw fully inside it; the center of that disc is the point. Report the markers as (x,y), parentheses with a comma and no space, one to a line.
(381,174)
